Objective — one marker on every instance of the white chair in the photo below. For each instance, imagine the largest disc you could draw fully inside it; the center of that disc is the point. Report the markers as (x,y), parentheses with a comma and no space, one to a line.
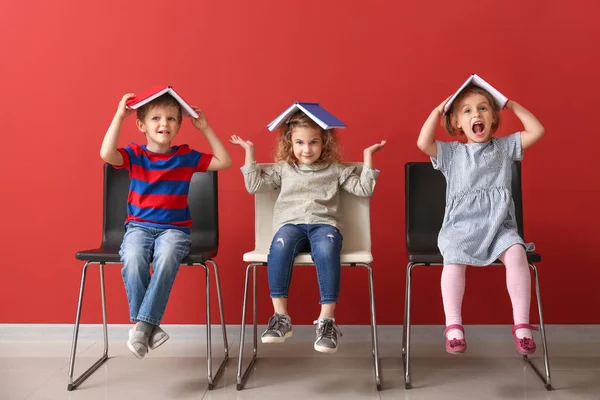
(356,251)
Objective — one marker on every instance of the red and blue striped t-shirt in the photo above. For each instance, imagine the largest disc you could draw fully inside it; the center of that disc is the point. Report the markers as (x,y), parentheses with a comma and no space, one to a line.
(160,183)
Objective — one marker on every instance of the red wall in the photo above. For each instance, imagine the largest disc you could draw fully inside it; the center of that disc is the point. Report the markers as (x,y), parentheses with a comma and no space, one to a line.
(381,66)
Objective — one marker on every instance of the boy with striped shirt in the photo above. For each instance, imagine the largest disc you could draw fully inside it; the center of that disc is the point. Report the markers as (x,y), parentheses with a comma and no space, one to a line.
(157,229)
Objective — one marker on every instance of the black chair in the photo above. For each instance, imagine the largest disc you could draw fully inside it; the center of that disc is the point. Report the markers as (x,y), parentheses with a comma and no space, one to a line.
(203,205)
(425,205)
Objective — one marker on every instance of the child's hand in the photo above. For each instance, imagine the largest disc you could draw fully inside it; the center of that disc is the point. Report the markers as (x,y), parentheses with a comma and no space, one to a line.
(440,108)
(245,144)
(122,110)
(375,148)
(201,122)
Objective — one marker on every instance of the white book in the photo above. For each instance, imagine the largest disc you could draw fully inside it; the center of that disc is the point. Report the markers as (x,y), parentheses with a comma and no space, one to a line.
(146,97)
(476,80)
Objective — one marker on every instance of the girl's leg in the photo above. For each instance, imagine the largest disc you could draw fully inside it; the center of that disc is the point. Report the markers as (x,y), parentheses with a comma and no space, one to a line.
(287,243)
(453,290)
(326,246)
(280,305)
(327,311)
(518,283)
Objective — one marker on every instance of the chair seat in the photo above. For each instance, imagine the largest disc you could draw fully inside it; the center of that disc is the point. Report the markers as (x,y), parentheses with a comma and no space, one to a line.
(351,257)
(433,258)
(198,255)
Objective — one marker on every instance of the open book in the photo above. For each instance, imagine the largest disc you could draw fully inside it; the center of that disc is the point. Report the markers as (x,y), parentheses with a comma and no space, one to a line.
(474,79)
(314,111)
(143,98)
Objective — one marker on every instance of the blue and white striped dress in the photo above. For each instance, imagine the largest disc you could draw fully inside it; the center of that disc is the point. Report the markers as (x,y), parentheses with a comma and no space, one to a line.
(479,222)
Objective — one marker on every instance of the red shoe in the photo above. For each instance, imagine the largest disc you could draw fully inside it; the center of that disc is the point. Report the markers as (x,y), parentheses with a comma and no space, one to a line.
(455,346)
(524,345)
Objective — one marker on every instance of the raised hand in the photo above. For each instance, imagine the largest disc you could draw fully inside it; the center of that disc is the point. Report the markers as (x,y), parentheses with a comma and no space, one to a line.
(245,144)
(375,148)
(201,122)
(122,110)
(440,108)
(368,153)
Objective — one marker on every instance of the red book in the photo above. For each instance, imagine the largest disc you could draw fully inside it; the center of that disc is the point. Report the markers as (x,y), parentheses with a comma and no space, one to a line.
(139,100)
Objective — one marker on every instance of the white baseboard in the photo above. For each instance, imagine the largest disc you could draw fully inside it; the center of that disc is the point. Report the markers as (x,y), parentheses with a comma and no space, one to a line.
(387,333)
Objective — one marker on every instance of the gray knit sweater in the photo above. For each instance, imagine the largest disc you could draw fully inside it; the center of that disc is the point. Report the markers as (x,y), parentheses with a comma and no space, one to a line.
(309,193)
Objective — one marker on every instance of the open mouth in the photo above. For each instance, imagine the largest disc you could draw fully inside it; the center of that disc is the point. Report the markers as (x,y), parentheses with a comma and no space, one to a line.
(164,132)
(478,128)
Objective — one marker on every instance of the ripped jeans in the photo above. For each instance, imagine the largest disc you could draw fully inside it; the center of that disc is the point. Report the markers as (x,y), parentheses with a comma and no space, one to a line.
(324,243)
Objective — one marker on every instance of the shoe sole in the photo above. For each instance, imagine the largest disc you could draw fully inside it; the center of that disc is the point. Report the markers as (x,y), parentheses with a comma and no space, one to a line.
(322,349)
(156,345)
(277,339)
(525,353)
(456,353)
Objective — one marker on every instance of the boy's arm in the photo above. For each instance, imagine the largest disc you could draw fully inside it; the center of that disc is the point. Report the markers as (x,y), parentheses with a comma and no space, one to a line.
(532,128)
(221,158)
(108,151)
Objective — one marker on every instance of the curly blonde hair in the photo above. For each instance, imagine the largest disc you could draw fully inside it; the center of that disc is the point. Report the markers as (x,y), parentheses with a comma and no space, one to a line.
(285,149)
(448,120)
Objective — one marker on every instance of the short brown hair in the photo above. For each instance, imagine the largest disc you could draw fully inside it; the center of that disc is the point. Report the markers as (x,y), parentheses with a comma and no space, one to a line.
(448,117)
(166,100)
(331,148)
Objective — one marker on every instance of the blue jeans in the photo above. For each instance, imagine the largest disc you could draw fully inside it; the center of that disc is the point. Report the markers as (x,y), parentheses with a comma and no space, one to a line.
(324,243)
(164,248)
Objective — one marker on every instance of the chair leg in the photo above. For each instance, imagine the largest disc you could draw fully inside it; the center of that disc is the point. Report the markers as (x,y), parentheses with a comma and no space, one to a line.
(74,384)
(406,327)
(374,342)
(212,382)
(546,379)
(242,375)
(254,314)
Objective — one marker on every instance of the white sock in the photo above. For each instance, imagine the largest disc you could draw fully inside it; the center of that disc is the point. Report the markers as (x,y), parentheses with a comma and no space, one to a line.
(455,334)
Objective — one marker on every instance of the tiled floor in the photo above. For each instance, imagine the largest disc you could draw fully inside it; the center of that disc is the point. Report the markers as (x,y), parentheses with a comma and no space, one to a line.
(34,366)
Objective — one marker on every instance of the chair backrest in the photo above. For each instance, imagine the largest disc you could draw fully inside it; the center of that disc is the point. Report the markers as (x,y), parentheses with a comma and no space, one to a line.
(202,200)
(425,190)
(356,220)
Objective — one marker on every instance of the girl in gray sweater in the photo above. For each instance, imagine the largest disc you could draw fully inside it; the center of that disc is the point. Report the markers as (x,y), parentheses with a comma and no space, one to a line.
(306,216)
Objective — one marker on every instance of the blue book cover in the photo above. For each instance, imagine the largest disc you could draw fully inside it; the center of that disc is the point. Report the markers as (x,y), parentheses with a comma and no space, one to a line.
(314,111)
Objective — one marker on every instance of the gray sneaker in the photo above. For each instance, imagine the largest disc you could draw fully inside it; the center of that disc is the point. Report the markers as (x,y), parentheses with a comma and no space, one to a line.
(280,328)
(327,335)
(157,338)
(137,343)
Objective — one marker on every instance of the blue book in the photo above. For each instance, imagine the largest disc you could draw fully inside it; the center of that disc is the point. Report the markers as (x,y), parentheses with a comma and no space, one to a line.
(314,111)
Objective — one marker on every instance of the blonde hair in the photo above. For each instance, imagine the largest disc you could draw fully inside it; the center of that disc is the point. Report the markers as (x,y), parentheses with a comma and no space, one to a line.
(447,121)
(285,149)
